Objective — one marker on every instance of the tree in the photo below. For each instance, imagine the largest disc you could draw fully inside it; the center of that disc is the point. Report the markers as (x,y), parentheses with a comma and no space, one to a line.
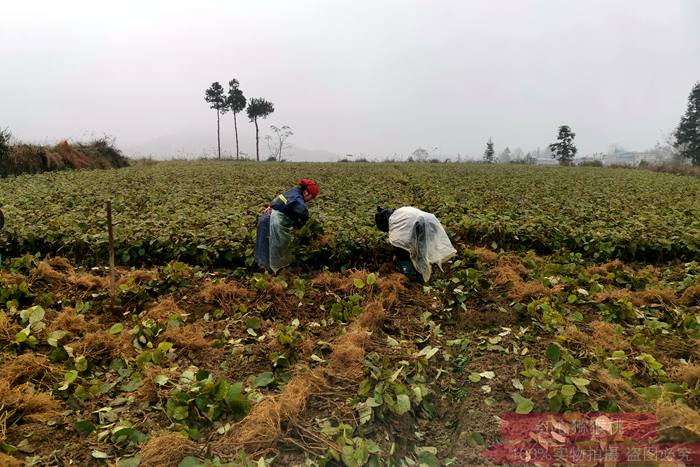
(688,132)
(235,102)
(504,157)
(564,150)
(489,154)
(5,137)
(215,96)
(277,143)
(420,155)
(258,108)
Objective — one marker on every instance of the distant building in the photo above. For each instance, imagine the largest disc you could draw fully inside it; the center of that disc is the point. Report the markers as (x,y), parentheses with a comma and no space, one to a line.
(546,161)
(596,157)
(633,158)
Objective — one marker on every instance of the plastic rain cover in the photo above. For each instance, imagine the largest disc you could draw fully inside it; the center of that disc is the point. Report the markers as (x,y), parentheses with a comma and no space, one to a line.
(280,235)
(421,234)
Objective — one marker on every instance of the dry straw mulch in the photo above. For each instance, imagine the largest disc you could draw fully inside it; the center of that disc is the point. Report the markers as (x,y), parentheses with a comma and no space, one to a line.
(274,417)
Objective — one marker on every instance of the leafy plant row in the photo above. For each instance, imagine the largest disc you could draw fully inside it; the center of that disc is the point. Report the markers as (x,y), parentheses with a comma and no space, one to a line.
(205,212)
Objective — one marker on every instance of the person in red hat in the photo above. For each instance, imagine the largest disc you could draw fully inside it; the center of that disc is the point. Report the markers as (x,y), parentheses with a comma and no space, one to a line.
(285,211)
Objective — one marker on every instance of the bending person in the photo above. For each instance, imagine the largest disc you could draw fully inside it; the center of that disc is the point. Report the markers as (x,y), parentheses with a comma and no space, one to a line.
(418,233)
(275,225)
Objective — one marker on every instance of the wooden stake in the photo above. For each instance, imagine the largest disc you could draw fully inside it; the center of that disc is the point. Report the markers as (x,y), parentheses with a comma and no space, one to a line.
(112,289)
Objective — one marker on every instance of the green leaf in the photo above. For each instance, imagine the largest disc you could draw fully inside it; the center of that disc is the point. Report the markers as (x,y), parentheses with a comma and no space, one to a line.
(32,315)
(55,337)
(428,352)
(122,434)
(568,391)
(580,381)
(84,427)
(71,376)
(21,337)
(165,346)
(180,412)
(264,379)
(619,355)
(476,438)
(161,380)
(100,455)
(371,279)
(651,393)
(116,329)
(524,405)
(365,413)
(130,461)
(143,358)
(359,283)
(428,459)
(253,323)
(474,377)
(553,353)
(81,364)
(190,461)
(403,404)
(133,384)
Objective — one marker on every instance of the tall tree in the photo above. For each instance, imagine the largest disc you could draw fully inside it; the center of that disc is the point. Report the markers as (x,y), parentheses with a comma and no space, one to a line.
(235,102)
(564,150)
(258,108)
(688,132)
(489,153)
(215,96)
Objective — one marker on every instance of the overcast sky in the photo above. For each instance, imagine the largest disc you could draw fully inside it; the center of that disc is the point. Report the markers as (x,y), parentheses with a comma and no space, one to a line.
(351,76)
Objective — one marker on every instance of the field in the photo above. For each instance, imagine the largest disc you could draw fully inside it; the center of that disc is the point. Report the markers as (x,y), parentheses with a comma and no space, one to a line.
(574,290)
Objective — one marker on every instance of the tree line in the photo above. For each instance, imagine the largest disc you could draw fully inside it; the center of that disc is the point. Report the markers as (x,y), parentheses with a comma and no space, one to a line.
(563,149)
(686,137)
(235,102)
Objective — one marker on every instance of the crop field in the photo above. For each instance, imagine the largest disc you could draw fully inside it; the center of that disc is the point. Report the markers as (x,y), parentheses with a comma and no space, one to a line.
(205,213)
(575,290)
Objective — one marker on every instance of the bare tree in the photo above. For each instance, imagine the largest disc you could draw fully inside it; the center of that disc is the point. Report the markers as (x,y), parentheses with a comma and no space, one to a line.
(277,143)
(420,155)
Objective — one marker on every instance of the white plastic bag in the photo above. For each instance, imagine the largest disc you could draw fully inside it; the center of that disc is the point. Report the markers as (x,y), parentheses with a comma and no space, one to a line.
(421,234)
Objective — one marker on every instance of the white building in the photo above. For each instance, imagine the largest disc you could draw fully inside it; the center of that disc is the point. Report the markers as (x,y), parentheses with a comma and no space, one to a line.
(633,158)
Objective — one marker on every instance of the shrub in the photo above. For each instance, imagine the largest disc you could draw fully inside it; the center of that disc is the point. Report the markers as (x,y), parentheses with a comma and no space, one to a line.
(5,136)
(590,164)
(28,158)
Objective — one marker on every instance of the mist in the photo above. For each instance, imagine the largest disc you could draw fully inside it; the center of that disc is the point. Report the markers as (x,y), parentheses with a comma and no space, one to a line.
(371,79)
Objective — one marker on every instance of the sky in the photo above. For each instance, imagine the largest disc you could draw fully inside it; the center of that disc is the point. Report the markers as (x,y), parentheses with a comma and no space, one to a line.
(369,78)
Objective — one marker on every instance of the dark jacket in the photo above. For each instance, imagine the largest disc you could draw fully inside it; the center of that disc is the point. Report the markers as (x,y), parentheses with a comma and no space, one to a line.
(291,204)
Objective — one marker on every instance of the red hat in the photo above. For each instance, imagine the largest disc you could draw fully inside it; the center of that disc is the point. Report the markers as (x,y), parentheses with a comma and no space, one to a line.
(310,186)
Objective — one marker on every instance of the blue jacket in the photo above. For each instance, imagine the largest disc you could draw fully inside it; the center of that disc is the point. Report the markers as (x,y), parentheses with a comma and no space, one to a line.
(291,204)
